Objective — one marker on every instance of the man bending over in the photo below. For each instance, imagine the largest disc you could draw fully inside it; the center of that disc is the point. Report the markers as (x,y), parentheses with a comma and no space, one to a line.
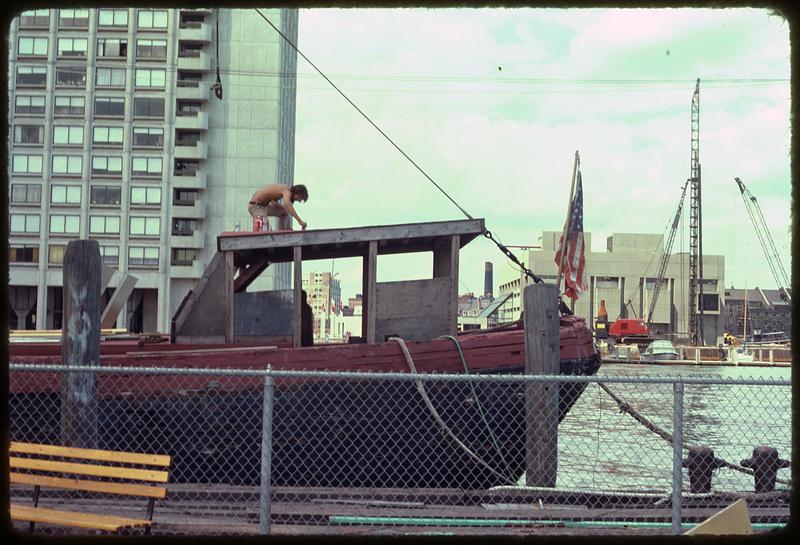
(276,200)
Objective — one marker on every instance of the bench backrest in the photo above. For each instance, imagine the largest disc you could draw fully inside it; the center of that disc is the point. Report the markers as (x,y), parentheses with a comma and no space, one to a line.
(89,470)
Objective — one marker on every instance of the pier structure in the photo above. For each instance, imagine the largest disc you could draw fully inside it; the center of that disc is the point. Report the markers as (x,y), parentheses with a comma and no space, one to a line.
(220,309)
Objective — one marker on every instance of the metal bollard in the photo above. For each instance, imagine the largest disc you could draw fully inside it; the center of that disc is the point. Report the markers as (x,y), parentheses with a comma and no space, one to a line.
(765,463)
(701,462)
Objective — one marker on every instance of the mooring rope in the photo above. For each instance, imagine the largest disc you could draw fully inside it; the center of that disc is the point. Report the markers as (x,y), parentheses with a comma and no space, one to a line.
(624,406)
(435,413)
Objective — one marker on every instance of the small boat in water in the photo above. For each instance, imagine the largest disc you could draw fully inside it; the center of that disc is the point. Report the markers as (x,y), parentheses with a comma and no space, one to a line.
(660,350)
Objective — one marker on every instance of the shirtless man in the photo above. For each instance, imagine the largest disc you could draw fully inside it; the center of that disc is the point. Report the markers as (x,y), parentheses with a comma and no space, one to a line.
(264,202)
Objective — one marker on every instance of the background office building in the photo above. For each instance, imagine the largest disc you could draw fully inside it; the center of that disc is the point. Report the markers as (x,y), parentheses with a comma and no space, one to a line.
(624,276)
(116,135)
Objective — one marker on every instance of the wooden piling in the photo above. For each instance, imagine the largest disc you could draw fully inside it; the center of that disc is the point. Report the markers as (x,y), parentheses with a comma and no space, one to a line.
(540,305)
(80,342)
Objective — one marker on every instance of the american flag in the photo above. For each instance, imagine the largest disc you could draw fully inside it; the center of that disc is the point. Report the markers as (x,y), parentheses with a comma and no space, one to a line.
(574,267)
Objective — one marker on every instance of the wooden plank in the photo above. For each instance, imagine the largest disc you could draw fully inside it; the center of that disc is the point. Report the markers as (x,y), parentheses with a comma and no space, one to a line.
(163,460)
(416,310)
(733,520)
(106,273)
(297,303)
(445,264)
(118,300)
(349,236)
(228,297)
(541,399)
(368,304)
(80,342)
(201,351)
(156,492)
(186,313)
(89,469)
(247,275)
(70,518)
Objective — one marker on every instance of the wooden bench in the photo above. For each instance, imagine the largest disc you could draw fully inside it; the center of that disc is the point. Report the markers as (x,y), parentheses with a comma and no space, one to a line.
(86,470)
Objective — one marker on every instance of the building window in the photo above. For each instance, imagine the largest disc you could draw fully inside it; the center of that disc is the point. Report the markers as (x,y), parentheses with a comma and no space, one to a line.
(142,256)
(27,46)
(151,78)
(74,76)
(55,253)
(23,254)
(186,168)
(607,282)
(187,138)
(35,18)
(181,227)
(190,50)
(112,48)
(26,193)
(107,135)
(147,196)
(110,255)
(106,195)
(26,164)
(110,77)
(152,19)
(67,164)
(32,76)
(106,166)
(183,256)
(25,223)
(109,106)
(145,226)
(29,105)
(148,107)
(29,134)
(70,105)
(72,47)
(65,194)
(117,18)
(151,49)
(73,18)
(184,197)
(104,225)
(68,136)
(65,224)
(150,137)
(188,108)
(147,166)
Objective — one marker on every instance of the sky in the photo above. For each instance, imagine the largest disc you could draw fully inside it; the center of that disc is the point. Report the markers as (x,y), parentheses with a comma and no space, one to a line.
(494,103)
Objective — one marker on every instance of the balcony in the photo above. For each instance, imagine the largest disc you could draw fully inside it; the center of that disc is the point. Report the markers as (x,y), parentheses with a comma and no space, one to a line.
(193,90)
(198,11)
(197,210)
(192,120)
(198,151)
(191,180)
(198,61)
(195,240)
(195,31)
(195,270)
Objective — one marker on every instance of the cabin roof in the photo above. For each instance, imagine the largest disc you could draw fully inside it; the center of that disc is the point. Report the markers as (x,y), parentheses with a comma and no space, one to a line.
(349,242)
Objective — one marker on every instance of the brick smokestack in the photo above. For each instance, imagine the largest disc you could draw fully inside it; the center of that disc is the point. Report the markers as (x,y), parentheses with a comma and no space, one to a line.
(487,279)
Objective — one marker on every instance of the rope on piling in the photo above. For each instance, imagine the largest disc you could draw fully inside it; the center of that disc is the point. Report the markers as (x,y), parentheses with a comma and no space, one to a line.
(625,407)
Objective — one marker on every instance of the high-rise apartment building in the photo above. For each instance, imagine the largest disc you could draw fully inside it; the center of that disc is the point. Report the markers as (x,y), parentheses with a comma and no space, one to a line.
(116,134)
(324,292)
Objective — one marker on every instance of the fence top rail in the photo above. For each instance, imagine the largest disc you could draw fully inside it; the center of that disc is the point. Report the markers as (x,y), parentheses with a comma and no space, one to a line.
(360,375)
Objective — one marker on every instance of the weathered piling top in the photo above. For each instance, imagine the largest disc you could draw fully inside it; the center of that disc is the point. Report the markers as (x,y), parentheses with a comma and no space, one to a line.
(219,309)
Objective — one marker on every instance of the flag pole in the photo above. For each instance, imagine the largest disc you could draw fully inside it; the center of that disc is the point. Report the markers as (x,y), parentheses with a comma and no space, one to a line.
(566,223)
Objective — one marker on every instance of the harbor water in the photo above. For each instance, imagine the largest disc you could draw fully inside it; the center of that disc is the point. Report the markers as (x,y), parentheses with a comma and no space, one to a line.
(604,449)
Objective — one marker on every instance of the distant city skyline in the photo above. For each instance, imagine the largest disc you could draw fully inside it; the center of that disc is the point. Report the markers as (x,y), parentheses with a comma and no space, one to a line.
(493,104)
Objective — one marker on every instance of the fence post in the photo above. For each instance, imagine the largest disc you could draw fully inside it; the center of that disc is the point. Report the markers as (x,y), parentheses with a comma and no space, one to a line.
(677,448)
(80,342)
(266,455)
(542,357)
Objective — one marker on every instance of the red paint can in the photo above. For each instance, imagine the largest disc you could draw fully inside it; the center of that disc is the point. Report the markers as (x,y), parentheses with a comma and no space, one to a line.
(258,223)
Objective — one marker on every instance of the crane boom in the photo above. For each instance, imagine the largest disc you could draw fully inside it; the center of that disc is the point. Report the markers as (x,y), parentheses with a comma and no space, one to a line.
(765,239)
(662,266)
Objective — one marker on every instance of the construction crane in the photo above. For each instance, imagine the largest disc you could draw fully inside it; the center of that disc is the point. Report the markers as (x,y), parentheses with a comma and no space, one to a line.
(767,244)
(695,230)
(662,266)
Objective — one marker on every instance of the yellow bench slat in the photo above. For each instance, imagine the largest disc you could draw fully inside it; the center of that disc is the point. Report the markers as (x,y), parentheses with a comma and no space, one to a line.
(155,492)
(163,460)
(69,518)
(89,469)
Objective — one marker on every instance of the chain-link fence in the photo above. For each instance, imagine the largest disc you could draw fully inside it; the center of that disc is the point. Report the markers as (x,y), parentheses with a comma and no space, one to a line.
(291,452)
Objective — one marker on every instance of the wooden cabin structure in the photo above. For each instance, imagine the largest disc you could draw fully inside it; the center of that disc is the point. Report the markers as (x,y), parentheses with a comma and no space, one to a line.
(221,310)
